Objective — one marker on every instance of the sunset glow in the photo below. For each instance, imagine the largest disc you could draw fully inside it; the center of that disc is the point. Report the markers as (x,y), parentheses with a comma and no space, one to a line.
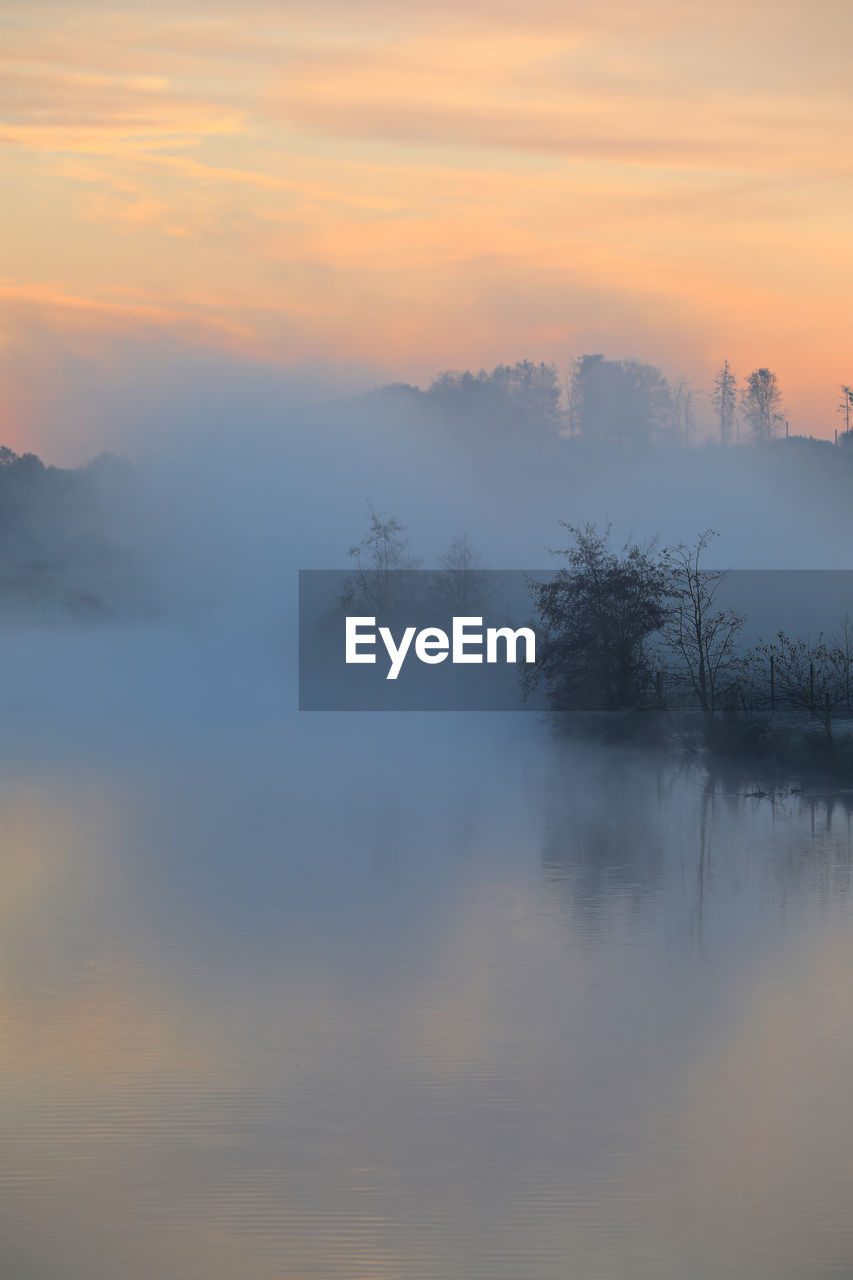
(407,189)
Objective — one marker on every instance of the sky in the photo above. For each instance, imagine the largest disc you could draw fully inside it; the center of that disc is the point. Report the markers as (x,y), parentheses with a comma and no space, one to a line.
(377,192)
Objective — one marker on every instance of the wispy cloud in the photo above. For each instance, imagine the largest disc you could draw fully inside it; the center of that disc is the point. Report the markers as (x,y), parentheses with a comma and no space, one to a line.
(459,182)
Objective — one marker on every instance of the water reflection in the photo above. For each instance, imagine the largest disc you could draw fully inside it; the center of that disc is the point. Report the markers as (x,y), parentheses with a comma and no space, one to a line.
(420,999)
(636,829)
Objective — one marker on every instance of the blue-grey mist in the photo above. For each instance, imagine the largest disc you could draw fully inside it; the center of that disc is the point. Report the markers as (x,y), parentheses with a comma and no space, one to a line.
(400,997)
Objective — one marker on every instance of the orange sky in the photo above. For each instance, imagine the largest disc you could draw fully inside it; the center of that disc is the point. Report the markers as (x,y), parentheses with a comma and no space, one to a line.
(419,187)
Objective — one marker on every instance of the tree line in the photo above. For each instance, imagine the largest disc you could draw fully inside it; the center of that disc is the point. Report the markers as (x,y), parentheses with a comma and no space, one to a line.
(61,532)
(627,629)
(632,629)
(608,401)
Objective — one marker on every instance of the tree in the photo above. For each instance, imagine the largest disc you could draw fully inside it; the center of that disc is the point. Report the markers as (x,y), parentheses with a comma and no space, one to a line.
(724,397)
(842,640)
(534,388)
(463,586)
(702,636)
(845,404)
(514,404)
(620,400)
(811,677)
(596,618)
(761,404)
(380,556)
(683,417)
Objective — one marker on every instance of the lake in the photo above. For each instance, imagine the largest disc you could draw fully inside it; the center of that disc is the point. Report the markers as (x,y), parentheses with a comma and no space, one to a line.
(403,996)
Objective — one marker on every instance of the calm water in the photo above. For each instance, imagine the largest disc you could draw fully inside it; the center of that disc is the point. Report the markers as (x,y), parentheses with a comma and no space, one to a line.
(383,997)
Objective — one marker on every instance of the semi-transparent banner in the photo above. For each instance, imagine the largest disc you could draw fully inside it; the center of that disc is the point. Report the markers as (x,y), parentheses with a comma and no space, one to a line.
(471,639)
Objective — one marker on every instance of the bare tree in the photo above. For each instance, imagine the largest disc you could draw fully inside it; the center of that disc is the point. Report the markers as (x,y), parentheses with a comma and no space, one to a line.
(761,404)
(811,677)
(683,406)
(845,404)
(463,584)
(702,636)
(842,640)
(725,401)
(460,556)
(379,556)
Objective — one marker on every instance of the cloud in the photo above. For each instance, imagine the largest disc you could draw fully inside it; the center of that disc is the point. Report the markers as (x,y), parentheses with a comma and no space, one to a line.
(419,187)
(537,93)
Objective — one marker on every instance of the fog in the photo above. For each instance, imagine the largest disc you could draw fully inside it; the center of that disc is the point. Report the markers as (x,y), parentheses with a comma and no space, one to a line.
(241,477)
(394,995)
(245,475)
(426,999)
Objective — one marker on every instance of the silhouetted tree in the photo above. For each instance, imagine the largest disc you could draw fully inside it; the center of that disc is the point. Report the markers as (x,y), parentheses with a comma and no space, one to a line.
(683,410)
(620,400)
(381,554)
(462,584)
(66,535)
(596,617)
(702,636)
(519,402)
(725,401)
(811,677)
(842,639)
(761,404)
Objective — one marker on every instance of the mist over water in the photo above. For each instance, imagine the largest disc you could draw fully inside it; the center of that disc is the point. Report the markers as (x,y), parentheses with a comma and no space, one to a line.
(405,995)
(246,474)
(298,294)
(414,996)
